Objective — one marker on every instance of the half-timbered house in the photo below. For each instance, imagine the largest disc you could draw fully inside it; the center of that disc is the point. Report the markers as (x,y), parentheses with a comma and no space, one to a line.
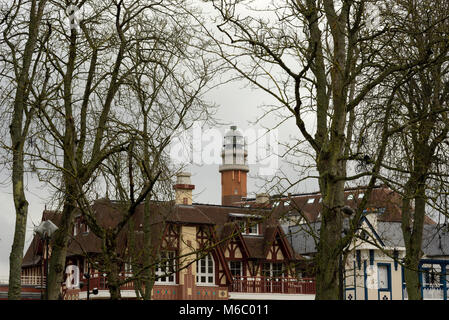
(200,251)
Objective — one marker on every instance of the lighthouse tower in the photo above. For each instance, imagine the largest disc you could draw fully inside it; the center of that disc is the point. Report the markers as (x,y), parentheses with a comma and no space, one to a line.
(234,167)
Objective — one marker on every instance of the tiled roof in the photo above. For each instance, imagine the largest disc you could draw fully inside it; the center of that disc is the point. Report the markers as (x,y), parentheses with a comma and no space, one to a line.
(383,198)
(222,218)
(435,237)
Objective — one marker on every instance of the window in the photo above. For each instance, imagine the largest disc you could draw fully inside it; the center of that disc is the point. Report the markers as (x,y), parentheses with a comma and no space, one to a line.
(249,227)
(351,197)
(128,269)
(311,200)
(277,269)
(360,196)
(383,272)
(272,269)
(431,277)
(253,228)
(165,270)
(236,268)
(364,235)
(205,270)
(75,229)
(85,266)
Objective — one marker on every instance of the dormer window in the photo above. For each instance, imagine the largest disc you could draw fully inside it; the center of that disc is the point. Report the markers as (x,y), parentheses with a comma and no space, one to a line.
(249,228)
(252,229)
(248,223)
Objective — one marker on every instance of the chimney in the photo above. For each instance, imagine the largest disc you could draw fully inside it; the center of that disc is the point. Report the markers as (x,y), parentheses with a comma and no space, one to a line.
(183,188)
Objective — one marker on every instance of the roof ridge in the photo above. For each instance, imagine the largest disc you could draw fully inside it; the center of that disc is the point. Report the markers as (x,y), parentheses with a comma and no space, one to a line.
(205,215)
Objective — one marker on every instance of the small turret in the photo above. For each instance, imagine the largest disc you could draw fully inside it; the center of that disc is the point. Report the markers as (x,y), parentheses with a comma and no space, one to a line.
(183,188)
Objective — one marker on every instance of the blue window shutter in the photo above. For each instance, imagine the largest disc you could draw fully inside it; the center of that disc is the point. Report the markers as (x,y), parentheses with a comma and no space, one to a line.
(359,259)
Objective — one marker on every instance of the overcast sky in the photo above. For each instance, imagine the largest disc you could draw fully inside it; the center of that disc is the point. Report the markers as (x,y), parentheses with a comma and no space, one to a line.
(237,106)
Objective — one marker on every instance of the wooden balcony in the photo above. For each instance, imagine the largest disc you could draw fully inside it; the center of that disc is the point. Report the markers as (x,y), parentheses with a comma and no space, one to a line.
(273,285)
(284,285)
(26,280)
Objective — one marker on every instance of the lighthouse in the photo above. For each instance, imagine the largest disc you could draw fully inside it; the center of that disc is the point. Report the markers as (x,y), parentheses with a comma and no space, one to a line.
(234,167)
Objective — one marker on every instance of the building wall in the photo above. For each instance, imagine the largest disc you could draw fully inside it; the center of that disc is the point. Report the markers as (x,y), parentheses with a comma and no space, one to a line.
(234,253)
(182,194)
(233,182)
(362,276)
(187,244)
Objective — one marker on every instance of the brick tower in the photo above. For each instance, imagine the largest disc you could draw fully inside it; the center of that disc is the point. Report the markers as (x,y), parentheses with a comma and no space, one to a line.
(234,167)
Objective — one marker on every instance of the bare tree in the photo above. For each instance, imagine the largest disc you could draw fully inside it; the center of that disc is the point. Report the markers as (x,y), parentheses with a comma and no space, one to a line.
(168,100)
(89,60)
(97,51)
(20,55)
(416,153)
(331,50)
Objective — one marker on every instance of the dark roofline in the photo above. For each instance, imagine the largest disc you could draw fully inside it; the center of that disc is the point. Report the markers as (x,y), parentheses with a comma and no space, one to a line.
(226,206)
(315,193)
(345,190)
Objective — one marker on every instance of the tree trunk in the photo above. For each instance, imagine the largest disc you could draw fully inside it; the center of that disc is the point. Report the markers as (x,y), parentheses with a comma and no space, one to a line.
(16,255)
(59,246)
(113,281)
(111,265)
(412,233)
(411,277)
(328,253)
(18,134)
(71,180)
(148,252)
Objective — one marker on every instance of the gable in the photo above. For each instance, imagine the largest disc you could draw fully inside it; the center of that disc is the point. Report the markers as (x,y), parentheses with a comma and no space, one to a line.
(275,251)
